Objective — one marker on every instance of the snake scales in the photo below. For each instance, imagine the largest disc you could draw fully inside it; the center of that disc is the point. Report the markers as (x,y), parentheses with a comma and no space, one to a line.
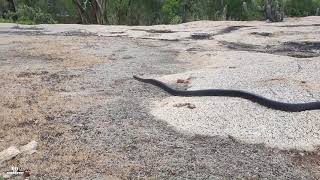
(288,107)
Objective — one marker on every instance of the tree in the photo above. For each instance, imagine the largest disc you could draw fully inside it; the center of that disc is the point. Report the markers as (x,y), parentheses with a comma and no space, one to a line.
(11,6)
(94,7)
(82,12)
(99,7)
(274,10)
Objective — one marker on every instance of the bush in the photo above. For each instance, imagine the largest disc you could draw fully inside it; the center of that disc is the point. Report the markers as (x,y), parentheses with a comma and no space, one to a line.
(254,15)
(301,8)
(29,15)
(5,20)
(176,20)
(43,18)
(171,10)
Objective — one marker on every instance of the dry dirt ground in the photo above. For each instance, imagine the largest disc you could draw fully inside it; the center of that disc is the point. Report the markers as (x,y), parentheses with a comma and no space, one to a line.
(70,88)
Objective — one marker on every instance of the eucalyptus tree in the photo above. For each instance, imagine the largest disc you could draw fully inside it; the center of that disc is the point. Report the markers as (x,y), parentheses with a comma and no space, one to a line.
(91,11)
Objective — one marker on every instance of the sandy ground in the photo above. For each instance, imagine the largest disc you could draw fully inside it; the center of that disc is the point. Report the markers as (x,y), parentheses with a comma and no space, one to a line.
(70,88)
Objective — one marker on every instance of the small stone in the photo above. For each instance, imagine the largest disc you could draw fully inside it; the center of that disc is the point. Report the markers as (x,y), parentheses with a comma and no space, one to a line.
(180,104)
(191,106)
(29,148)
(127,57)
(79,125)
(182,81)
(9,153)
(188,105)
(201,35)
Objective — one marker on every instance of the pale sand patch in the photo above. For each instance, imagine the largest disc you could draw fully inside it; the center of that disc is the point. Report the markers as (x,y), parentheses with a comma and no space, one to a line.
(276,77)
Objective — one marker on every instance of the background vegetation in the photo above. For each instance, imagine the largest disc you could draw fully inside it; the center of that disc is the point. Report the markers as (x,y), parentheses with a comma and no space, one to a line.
(145,12)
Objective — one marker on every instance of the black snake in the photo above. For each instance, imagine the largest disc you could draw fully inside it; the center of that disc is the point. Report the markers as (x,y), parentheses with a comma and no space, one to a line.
(288,107)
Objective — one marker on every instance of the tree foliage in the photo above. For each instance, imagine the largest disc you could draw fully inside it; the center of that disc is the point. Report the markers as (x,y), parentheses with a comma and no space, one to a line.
(302,7)
(146,12)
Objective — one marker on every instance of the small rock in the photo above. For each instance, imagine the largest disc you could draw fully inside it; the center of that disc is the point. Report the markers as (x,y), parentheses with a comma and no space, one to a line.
(9,153)
(191,106)
(183,81)
(180,104)
(188,105)
(13,151)
(127,57)
(29,148)
(201,35)
(79,125)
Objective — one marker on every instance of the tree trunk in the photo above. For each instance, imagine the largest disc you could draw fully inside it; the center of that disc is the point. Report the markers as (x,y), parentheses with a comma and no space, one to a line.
(274,11)
(82,12)
(119,12)
(11,6)
(51,6)
(96,9)
(99,7)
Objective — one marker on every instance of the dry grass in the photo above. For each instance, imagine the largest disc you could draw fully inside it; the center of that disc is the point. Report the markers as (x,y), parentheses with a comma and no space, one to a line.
(64,52)
(33,100)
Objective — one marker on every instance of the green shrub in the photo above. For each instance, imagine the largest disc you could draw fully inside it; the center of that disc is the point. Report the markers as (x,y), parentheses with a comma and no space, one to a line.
(255,15)
(29,15)
(176,20)
(301,8)
(26,13)
(6,21)
(171,10)
(43,18)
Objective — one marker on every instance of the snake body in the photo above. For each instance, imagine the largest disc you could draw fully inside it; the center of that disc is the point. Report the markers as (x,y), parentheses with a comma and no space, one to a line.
(288,107)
